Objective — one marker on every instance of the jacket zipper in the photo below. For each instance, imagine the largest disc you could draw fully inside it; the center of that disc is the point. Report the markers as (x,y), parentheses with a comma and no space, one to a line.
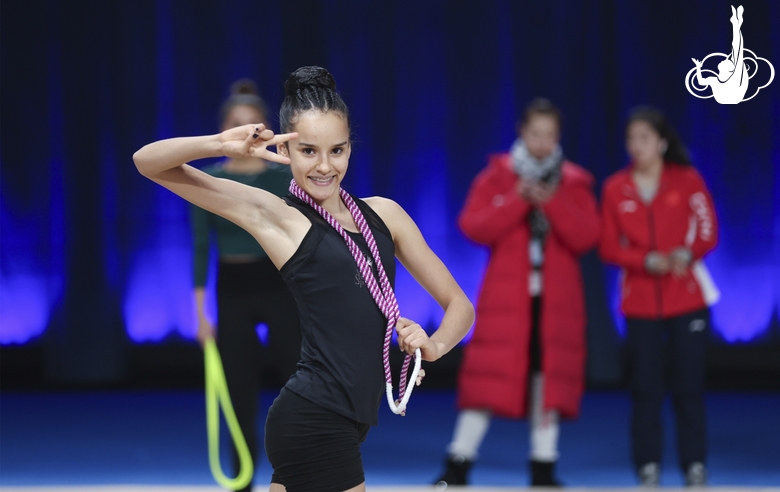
(656,278)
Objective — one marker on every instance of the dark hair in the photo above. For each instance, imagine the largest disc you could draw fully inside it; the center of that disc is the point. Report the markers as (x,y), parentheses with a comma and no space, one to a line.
(676,153)
(306,89)
(243,92)
(543,107)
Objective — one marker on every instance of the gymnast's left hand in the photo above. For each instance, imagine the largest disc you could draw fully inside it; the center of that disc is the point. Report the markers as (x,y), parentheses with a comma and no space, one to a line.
(411,336)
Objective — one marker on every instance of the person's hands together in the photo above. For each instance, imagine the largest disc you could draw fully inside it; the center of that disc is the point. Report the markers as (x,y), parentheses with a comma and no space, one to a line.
(535,192)
(253,141)
(679,261)
(657,263)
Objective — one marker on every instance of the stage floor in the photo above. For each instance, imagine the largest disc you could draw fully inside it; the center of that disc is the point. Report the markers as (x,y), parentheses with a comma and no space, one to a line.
(477,488)
(155,441)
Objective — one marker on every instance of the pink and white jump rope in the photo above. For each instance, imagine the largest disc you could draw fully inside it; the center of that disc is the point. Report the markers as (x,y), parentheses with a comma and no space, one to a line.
(383,295)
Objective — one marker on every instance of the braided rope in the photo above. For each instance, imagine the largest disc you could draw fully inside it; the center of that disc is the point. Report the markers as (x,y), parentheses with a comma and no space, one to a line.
(382,292)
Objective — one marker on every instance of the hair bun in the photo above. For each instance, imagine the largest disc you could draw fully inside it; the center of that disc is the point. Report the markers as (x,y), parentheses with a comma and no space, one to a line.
(313,76)
(244,86)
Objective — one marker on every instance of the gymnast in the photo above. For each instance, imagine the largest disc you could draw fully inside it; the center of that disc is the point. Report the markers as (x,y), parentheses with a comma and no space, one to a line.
(731,84)
(337,254)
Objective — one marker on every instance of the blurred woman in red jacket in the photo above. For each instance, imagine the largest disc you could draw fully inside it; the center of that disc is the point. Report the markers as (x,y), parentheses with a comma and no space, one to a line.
(537,213)
(659,222)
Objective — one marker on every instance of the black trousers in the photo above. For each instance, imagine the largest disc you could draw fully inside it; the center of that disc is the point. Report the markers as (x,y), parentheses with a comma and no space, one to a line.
(249,294)
(679,345)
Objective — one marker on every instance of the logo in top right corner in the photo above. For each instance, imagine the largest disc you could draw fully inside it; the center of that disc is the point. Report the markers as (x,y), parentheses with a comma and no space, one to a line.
(730,84)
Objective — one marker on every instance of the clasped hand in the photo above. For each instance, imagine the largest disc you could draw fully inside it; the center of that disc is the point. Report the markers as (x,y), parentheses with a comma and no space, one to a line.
(535,192)
(253,141)
(676,262)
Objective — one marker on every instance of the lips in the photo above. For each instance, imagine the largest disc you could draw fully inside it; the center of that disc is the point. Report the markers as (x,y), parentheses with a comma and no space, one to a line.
(322,181)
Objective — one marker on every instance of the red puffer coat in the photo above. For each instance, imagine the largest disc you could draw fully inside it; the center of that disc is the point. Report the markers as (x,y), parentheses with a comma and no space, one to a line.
(494,372)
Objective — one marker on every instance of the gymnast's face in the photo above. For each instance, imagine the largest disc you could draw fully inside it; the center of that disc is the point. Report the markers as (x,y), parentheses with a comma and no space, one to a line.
(243,114)
(540,134)
(644,144)
(319,157)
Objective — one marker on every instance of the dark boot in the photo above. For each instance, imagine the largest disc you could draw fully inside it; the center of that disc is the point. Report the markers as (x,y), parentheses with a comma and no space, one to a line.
(543,474)
(457,467)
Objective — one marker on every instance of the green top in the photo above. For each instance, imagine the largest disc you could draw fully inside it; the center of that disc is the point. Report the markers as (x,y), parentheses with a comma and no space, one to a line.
(230,238)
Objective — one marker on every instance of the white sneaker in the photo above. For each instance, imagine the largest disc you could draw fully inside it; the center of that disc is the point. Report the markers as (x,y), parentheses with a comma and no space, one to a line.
(696,476)
(649,475)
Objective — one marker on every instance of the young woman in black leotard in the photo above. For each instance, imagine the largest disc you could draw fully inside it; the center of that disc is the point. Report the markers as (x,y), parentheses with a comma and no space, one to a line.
(315,427)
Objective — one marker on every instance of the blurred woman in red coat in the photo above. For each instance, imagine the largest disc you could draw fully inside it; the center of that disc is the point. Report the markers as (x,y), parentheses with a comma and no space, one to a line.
(537,213)
(659,222)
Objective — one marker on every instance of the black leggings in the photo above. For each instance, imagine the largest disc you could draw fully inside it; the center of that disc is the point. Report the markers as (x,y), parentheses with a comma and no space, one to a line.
(680,342)
(249,294)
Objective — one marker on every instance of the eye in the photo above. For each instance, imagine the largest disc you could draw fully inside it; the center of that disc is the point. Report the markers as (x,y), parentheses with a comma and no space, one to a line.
(338,151)
(307,151)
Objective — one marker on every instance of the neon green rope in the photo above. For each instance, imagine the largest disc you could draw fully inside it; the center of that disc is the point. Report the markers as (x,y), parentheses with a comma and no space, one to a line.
(217,394)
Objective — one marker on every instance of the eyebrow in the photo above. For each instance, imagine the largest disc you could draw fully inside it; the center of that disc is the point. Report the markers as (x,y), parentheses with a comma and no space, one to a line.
(304,144)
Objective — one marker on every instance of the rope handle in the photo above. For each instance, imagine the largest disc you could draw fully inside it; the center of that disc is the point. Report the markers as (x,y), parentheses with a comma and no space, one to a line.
(217,394)
(400,407)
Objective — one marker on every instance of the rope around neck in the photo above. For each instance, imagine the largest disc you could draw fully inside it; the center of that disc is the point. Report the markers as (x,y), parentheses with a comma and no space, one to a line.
(382,293)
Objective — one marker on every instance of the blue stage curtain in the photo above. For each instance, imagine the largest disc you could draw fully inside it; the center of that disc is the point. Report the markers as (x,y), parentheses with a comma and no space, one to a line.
(94,255)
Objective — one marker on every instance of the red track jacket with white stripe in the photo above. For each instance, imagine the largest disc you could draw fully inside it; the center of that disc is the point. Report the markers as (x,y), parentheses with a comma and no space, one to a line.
(680,214)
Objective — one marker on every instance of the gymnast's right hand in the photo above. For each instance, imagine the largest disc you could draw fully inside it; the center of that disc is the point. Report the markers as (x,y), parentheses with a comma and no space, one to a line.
(253,141)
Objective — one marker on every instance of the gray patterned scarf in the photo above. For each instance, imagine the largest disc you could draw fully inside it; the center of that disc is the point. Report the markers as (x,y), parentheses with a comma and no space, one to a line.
(528,167)
(547,170)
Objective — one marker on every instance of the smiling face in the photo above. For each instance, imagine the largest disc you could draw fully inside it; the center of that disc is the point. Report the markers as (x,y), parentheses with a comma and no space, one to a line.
(320,155)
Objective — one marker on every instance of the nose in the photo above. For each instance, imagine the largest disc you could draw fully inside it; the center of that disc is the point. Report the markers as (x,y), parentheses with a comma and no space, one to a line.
(324,166)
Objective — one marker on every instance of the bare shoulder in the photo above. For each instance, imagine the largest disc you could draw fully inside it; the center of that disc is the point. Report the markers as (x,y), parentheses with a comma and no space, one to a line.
(383,206)
(393,215)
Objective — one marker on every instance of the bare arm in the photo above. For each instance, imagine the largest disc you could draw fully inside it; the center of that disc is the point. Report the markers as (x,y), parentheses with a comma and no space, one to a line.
(429,271)
(259,212)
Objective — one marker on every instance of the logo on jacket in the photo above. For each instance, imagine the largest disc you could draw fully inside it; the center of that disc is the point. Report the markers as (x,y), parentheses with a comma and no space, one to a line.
(627,206)
(702,210)
(697,325)
(730,84)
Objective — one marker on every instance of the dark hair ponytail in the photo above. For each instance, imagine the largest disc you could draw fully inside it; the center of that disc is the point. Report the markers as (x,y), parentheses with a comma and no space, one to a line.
(310,88)
(243,92)
(676,153)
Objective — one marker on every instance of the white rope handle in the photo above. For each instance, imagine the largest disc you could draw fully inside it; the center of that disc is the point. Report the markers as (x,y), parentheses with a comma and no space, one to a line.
(400,407)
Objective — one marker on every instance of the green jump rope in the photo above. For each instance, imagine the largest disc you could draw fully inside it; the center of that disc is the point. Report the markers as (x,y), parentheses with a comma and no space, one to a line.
(217,394)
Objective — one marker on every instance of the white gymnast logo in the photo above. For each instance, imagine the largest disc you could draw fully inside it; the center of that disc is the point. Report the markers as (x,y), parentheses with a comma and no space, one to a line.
(735,70)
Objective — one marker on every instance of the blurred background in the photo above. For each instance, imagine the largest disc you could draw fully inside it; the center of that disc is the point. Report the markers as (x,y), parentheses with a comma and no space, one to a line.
(95,265)
(95,260)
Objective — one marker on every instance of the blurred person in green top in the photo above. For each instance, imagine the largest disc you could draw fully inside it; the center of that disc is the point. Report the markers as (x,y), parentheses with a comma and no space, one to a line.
(249,288)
